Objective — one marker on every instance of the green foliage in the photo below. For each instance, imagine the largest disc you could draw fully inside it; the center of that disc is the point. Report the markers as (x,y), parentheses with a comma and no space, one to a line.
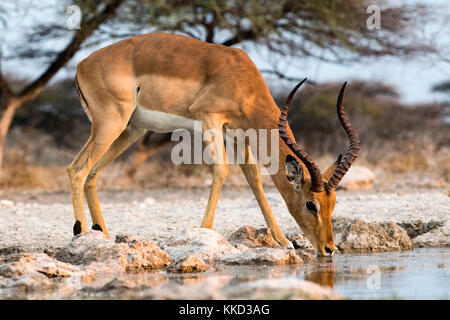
(317,104)
(321,108)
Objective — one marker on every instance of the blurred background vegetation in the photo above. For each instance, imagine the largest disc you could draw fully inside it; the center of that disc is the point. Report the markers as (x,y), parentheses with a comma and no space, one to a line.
(42,125)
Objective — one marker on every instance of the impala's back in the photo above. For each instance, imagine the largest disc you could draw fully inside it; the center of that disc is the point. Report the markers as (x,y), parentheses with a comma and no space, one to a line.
(175,75)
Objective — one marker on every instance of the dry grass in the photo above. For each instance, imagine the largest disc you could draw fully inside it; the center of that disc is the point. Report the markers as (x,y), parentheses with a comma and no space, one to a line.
(425,168)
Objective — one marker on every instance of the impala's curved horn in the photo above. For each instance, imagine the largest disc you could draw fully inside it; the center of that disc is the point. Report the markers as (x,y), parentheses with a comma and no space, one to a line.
(353,149)
(314,171)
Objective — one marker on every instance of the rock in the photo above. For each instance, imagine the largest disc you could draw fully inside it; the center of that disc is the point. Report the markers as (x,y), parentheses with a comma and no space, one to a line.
(209,289)
(302,246)
(16,265)
(97,254)
(123,287)
(217,288)
(148,202)
(301,242)
(262,256)
(6,203)
(241,247)
(190,263)
(438,237)
(285,288)
(306,254)
(28,282)
(10,250)
(357,178)
(126,238)
(116,284)
(416,228)
(360,236)
(89,247)
(204,243)
(144,254)
(250,237)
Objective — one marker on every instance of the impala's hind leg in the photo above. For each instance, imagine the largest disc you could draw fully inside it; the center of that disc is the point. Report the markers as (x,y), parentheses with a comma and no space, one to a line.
(126,138)
(103,134)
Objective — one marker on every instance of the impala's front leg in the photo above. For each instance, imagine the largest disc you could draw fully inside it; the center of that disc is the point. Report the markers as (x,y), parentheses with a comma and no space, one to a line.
(251,172)
(212,130)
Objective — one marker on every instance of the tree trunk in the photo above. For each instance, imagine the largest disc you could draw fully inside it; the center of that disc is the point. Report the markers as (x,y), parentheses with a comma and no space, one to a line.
(6,115)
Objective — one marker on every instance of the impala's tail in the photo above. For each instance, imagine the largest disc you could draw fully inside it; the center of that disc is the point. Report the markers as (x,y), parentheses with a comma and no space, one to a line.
(83,99)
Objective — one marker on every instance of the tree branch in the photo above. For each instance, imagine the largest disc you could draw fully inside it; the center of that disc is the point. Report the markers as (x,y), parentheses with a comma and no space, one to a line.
(285,77)
(239,37)
(64,56)
(5,90)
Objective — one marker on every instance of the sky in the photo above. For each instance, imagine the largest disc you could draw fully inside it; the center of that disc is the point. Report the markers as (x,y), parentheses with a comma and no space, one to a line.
(413,78)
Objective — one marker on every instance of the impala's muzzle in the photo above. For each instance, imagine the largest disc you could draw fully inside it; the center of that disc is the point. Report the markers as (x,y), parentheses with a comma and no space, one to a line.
(329,251)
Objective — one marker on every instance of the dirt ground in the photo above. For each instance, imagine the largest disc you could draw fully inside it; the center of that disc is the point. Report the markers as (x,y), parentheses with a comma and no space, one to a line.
(36,220)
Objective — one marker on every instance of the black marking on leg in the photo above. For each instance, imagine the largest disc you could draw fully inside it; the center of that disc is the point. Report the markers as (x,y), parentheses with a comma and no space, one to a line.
(96,227)
(77,228)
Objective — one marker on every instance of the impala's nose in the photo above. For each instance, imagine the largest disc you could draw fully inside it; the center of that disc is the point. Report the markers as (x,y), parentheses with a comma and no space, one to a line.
(328,250)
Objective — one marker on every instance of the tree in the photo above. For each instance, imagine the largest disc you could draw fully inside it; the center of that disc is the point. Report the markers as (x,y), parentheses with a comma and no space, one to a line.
(443,87)
(11,100)
(332,30)
(295,27)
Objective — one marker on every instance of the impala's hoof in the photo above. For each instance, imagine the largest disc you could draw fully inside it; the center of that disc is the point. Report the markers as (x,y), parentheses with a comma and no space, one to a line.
(97,227)
(285,243)
(77,228)
(290,245)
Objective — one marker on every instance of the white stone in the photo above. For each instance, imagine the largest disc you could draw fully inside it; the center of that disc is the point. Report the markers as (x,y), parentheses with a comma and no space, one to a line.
(6,203)
(357,178)
(439,237)
(288,287)
(204,243)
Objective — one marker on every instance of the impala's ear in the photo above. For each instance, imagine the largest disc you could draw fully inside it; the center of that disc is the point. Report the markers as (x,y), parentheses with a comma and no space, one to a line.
(327,174)
(294,171)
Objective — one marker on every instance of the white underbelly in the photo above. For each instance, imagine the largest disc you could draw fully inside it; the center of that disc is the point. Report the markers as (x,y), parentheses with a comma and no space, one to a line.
(161,122)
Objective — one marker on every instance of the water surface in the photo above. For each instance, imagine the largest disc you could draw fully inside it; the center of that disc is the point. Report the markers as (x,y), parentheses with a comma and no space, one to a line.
(418,274)
(422,273)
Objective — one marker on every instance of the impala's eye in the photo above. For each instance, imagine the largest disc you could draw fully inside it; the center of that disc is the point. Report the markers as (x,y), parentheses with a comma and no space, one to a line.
(311,206)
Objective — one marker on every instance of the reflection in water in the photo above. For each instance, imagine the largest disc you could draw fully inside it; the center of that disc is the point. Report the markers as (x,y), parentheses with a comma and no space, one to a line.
(417,274)
(324,277)
(321,271)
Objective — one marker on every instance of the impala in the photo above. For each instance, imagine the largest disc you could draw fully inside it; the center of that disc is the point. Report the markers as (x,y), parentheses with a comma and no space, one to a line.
(163,82)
